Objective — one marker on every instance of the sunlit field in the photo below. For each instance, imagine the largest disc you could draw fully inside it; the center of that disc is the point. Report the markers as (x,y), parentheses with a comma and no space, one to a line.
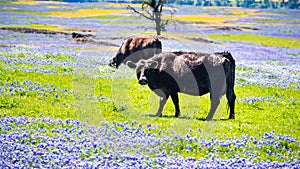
(62,106)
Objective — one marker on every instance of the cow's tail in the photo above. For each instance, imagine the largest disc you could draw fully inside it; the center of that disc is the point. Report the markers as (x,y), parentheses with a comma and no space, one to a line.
(230,85)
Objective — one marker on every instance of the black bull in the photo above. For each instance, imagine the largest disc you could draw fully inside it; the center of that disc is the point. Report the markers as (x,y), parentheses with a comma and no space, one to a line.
(168,74)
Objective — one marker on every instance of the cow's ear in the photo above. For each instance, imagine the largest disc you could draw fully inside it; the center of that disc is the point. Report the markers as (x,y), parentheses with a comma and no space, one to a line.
(131,64)
(154,64)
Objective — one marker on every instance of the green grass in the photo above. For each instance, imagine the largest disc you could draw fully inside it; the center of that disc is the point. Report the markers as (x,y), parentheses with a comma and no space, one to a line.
(243,69)
(53,57)
(263,40)
(125,100)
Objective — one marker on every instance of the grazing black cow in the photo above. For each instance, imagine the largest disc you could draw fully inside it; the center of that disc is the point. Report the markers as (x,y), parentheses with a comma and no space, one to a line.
(135,49)
(168,74)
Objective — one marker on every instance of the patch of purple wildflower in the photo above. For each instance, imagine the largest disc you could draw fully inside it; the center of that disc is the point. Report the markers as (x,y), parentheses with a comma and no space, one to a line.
(44,142)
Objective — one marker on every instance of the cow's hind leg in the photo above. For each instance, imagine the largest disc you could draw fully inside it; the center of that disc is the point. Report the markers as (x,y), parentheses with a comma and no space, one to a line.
(215,101)
(176,104)
(163,100)
(231,101)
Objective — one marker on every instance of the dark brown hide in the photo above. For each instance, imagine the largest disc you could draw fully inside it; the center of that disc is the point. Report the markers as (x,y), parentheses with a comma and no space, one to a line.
(135,49)
(168,74)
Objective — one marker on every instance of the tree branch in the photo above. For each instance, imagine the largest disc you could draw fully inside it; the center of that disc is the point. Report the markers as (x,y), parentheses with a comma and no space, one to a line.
(159,5)
(134,10)
(165,23)
(150,14)
(173,11)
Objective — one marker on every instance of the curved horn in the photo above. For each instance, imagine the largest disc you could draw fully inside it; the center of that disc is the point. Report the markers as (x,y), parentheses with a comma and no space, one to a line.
(131,64)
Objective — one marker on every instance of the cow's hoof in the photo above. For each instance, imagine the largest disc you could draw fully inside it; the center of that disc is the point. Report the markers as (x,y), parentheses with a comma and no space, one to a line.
(177,115)
(208,119)
(158,114)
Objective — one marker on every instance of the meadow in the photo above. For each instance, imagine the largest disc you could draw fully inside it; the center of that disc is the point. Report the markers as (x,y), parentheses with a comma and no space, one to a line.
(62,106)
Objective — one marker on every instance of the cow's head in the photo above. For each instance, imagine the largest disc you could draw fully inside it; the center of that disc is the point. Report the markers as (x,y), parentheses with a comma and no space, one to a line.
(117,60)
(135,49)
(142,69)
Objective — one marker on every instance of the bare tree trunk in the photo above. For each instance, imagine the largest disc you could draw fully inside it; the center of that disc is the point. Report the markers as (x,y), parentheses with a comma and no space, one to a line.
(157,23)
(153,14)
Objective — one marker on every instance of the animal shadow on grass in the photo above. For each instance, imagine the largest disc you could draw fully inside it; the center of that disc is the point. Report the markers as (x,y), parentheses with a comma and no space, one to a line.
(204,119)
(186,117)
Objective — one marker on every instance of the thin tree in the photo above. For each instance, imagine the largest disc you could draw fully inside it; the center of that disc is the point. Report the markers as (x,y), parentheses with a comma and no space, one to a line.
(152,10)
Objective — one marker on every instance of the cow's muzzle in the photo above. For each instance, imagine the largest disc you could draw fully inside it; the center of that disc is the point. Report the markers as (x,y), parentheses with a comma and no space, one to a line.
(143,80)
(113,63)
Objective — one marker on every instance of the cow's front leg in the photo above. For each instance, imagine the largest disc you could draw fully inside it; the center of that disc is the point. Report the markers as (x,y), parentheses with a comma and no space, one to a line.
(176,104)
(163,100)
(215,101)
